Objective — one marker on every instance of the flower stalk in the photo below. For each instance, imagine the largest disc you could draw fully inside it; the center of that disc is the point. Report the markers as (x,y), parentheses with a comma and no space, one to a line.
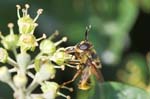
(23,65)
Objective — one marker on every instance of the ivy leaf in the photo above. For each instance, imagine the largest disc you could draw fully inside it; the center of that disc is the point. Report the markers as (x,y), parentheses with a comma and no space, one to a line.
(134,71)
(5,92)
(145,4)
(112,90)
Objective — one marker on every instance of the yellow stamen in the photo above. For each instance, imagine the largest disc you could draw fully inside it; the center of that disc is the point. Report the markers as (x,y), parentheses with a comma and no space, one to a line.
(56,33)
(26,8)
(61,94)
(64,39)
(1,36)
(18,8)
(65,87)
(10,26)
(43,37)
(39,12)
(24,12)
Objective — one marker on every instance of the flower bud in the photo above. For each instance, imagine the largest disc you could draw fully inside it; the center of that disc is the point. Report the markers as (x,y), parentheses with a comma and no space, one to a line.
(26,23)
(47,47)
(60,57)
(39,60)
(47,71)
(23,60)
(11,40)
(4,74)
(27,42)
(3,55)
(20,80)
(49,90)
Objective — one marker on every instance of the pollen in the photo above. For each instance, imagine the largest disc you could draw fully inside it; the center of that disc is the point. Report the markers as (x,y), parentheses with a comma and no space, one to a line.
(41,38)
(64,39)
(39,12)
(10,26)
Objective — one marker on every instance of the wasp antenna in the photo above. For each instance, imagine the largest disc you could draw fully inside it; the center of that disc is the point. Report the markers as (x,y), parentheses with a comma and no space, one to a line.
(86,32)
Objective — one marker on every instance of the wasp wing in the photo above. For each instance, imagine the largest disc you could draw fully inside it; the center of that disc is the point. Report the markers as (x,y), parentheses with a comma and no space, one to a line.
(84,83)
(96,71)
(85,74)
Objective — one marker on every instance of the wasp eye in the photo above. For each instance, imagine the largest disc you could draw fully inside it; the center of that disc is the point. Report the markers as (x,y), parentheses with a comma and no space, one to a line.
(84,46)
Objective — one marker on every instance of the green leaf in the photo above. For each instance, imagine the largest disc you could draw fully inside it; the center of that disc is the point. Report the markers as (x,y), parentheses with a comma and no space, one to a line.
(113,90)
(145,4)
(134,71)
(114,20)
(5,91)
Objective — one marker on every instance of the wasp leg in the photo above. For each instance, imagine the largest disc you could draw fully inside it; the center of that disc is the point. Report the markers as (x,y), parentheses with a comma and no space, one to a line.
(74,78)
(74,64)
(70,50)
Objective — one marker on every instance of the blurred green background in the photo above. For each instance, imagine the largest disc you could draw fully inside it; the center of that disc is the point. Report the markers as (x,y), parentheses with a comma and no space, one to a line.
(120,34)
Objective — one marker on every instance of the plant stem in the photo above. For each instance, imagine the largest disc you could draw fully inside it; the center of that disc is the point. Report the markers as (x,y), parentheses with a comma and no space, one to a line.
(31,66)
(13,70)
(30,75)
(12,62)
(32,86)
(14,52)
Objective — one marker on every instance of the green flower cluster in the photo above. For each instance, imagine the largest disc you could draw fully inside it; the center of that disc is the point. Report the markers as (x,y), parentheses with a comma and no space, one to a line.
(22,64)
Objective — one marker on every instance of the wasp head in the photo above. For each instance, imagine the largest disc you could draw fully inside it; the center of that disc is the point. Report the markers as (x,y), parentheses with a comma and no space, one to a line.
(84,45)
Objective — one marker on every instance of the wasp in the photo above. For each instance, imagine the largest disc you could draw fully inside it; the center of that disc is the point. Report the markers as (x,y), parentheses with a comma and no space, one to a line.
(87,61)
